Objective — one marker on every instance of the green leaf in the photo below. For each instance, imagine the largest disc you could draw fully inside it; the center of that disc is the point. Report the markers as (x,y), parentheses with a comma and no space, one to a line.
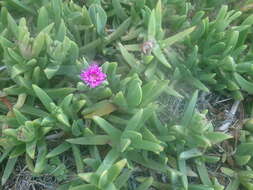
(120,100)
(244,84)
(48,28)
(124,143)
(108,161)
(107,127)
(21,6)
(120,12)
(227,171)
(128,134)
(152,90)
(100,109)
(4,13)
(5,154)
(16,57)
(183,170)
(148,163)
(10,132)
(177,37)
(91,46)
(56,6)
(42,20)
(160,56)
(199,187)
(8,169)
(98,17)
(20,117)
(197,83)
(61,32)
(62,117)
(228,63)
(242,160)
(152,26)
(78,158)
(17,151)
(6,43)
(38,44)
(26,133)
(110,175)
(12,25)
(84,187)
(190,154)
(135,121)
(86,17)
(44,98)
(24,83)
(58,150)
(244,67)
(203,173)
(90,140)
(115,170)
(147,145)
(245,174)
(30,148)
(245,149)
(87,177)
(36,75)
(187,117)
(211,159)
(65,104)
(58,93)
(155,121)
(148,135)
(77,127)
(158,14)
(123,178)
(233,185)
(233,39)
(217,137)
(93,163)
(146,184)
(41,161)
(33,111)
(29,162)
(134,93)
(119,31)
(129,58)
(171,91)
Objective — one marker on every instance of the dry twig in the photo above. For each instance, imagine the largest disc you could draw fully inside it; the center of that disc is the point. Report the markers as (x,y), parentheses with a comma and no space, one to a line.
(227,123)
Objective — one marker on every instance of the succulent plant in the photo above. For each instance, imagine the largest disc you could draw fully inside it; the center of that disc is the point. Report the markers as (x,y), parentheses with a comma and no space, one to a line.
(83,79)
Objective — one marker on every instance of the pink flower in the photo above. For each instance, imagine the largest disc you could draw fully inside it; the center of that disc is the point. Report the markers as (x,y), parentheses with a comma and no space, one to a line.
(93,76)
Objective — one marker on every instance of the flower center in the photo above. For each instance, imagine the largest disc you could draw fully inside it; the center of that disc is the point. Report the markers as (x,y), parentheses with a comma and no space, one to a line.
(94,76)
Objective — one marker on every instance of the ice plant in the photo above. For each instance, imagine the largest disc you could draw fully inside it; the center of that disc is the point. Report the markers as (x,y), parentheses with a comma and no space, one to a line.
(93,76)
